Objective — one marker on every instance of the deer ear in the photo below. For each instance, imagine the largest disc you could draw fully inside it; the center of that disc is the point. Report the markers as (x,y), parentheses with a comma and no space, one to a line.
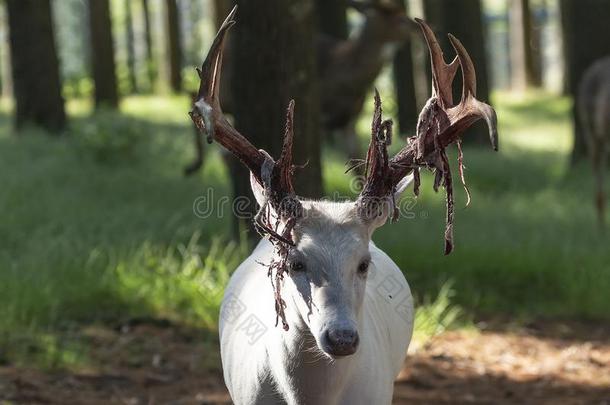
(259,193)
(379,211)
(258,190)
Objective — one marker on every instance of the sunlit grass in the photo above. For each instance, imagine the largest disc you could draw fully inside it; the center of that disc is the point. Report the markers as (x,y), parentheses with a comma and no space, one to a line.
(435,316)
(534,122)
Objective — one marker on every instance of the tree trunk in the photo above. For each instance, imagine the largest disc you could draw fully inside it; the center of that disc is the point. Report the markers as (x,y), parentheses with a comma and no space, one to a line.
(536,28)
(35,66)
(269,71)
(174,50)
(5,66)
(131,53)
(523,68)
(404,86)
(332,18)
(192,33)
(585,39)
(464,20)
(102,54)
(150,60)
(2,89)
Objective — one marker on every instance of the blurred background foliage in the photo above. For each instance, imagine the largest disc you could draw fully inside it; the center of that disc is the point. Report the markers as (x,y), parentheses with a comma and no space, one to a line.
(97,225)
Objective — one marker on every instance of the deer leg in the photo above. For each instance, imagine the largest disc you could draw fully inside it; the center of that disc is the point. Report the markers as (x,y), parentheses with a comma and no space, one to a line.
(199,152)
(196,164)
(598,162)
(601,196)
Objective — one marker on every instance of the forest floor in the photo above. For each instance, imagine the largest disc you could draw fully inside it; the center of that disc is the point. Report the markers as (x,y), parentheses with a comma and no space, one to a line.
(160,363)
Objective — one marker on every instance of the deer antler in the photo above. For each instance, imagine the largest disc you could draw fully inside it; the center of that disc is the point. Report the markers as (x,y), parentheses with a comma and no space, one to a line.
(275,177)
(440,124)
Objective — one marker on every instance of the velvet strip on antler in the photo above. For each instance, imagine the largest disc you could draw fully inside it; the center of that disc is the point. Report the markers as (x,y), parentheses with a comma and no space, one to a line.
(440,124)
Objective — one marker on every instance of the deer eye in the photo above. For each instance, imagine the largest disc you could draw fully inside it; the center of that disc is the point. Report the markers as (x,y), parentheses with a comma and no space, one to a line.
(363,267)
(297,266)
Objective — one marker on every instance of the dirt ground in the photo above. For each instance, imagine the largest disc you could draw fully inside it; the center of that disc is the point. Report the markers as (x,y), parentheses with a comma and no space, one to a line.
(151,363)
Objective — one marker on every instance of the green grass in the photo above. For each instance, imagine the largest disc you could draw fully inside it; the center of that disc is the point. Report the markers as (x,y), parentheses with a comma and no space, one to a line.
(98,226)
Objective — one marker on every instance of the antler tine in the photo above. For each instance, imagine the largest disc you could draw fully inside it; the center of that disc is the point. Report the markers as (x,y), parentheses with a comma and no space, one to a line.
(207,112)
(212,66)
(275,178)
(284,163)
(376,165)
(442,73)
(469,76)
(469,91)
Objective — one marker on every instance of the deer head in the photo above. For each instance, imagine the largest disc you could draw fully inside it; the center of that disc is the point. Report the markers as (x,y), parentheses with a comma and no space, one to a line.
(322,257)
(386,22)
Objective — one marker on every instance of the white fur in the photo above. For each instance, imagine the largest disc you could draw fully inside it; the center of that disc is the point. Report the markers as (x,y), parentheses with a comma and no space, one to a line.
(263,364)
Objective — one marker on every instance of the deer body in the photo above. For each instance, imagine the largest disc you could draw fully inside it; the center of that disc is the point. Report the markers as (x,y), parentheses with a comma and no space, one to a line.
(594,110)
(264,364)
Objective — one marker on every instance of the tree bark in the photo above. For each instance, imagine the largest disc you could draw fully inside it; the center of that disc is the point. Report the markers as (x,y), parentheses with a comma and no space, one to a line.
(464,20)
(35,66)
(2,89)
(523,67)
(404,86)
(585,39)
(102,55)
(5,65)
(332,18)
(269,70)
(131,53)
(150,60)
(195,45)
(536,28)
(174,50)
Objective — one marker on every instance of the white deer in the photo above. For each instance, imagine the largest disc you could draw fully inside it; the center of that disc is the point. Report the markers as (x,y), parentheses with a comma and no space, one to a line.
(345,307)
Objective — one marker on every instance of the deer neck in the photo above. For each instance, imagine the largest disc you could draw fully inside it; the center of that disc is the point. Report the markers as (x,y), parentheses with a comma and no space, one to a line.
(301,371)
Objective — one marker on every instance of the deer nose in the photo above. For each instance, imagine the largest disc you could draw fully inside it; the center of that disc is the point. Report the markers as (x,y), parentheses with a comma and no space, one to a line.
(342,342)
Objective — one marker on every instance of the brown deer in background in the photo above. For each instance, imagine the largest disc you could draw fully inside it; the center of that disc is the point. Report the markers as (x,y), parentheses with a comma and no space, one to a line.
(593,103)
(347,69)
